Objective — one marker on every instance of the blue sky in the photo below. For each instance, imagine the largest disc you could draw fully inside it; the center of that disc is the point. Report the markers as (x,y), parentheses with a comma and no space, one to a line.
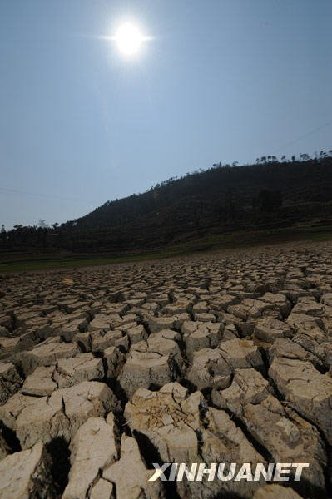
(222,80)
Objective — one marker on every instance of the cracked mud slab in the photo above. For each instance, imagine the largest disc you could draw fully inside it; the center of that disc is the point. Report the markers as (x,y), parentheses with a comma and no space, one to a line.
(224,357)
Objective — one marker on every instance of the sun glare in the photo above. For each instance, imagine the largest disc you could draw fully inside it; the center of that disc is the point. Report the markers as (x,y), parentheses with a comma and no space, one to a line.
(129,39)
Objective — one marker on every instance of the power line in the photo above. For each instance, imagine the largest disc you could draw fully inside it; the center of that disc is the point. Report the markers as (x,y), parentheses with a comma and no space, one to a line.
(307,134)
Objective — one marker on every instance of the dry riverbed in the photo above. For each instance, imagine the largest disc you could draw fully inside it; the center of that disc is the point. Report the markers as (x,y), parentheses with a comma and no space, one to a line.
(214,358)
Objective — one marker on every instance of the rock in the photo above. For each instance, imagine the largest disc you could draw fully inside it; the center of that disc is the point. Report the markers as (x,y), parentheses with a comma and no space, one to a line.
(4,447)
(83,341)
(200,308)
(47,354)
(114,361)
(26,474)
(128,320)
(103,489)
(248,386)
(198,335)
(167,334)
(276,492)
(306,324)
(269,329)
(136,333)
(307,390)
(284,347)
(279,302)
(157,324)
(72,371)
(6,321)
(241,353)
(153,362)
(101,340)
(4,332)
(205,318)
(145,369)
(209,369)
(13,407)
(222,441)
(130,475)
(288,438)
(100,322)
(8,346)
(180,307)
(163,343)
(285,435)
(67,372)
(249,308)
(40,383)
(10,381)
(69,330)
(230,331)
(222,302)
(92,449)
(59,415)
(327,299)
(169,418)
(309,306)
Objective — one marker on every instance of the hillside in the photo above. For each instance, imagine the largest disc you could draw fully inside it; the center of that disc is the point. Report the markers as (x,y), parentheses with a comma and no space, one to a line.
(216,201)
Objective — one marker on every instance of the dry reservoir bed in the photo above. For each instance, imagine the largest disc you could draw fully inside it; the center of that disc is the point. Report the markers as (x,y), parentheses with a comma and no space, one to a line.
(222,358)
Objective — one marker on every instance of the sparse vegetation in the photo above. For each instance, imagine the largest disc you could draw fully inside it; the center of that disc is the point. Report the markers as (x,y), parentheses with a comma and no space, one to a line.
(218,202)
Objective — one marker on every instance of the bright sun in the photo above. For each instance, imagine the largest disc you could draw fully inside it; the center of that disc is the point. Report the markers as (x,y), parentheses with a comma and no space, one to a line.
(129,39)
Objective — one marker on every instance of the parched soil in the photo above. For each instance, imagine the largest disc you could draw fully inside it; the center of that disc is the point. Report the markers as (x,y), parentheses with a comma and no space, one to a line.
(222,357)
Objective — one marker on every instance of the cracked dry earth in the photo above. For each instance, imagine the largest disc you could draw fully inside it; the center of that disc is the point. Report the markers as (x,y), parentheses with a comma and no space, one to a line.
(218,358)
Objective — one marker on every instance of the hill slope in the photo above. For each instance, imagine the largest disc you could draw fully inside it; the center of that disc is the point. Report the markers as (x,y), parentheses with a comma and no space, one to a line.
(214,201)
(220,200)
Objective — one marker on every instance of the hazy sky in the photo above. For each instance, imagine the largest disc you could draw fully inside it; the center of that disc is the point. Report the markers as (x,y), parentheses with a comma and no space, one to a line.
(222,80)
